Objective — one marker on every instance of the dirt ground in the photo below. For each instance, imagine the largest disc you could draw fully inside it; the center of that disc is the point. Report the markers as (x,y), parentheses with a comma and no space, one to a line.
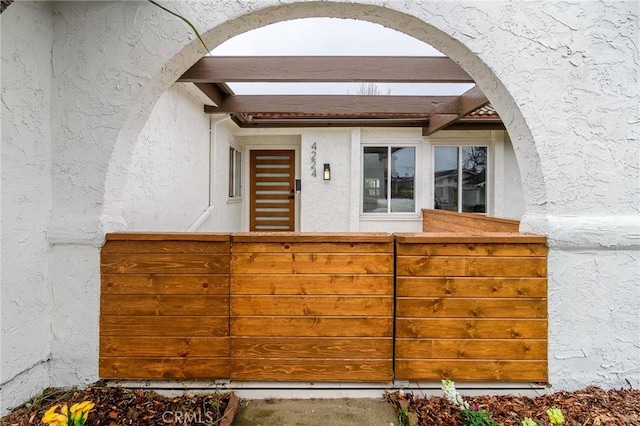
(316,412)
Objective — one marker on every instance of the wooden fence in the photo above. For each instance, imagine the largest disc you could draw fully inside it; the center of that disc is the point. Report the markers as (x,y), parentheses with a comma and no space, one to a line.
(164,306)
(467,223)
(320,307)
(312,307)
(471,308)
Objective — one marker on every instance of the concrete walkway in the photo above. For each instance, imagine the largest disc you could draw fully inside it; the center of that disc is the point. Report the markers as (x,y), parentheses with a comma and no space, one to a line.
(315,412)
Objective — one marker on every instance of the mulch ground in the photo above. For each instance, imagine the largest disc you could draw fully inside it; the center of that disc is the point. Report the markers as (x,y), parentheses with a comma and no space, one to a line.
(591,406)
(118,406)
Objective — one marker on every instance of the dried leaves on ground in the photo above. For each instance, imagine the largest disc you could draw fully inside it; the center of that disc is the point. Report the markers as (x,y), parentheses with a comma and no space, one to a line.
(592,406)
(119,406)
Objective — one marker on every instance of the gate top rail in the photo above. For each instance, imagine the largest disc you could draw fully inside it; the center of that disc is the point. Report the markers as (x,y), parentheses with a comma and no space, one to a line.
(313,237)
(459,237)
(168,236)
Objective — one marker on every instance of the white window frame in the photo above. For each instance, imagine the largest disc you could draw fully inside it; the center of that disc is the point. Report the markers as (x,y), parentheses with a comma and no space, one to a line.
(234,194)
(416,183)
(488,177)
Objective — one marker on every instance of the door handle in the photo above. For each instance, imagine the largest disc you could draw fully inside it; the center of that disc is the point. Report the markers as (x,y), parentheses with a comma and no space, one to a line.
(293,194)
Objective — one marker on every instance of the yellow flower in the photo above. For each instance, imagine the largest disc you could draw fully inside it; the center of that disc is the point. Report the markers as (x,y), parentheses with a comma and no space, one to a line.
(528,422)
(49,414)
(555,416)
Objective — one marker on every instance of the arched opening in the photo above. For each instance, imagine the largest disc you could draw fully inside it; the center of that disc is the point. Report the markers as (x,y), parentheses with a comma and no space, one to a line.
(353,177)
(525,152)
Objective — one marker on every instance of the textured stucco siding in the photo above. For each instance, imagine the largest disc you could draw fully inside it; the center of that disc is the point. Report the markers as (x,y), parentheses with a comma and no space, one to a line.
(326,204)
(226,215)
(563,76)
(25,311)
(168,182)
(513,205)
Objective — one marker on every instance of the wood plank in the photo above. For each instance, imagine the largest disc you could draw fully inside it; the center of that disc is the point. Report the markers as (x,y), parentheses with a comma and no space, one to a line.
(471,328)
(196,284)
(460,371)
(192,347)
(316,370)
(148,368)
(311,347)
(438,122)
(304,263)
(312,305)
(471,308)
(148,304)
(165,263)
(312,284)
(430,349)
(168,236)
(333,104)
(310,247)
(138,246)
(471,266)
(471,100)
(467,222)
(168,326)
(312,237)
(212,91)
(466,238)
(312,327)
(475,287)
(325,69)
(472,249)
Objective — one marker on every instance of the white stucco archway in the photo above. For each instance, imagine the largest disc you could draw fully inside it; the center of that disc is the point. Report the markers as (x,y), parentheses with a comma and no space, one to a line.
(524,144)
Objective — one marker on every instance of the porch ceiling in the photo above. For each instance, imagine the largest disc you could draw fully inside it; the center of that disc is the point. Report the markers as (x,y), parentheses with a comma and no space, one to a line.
(213,76)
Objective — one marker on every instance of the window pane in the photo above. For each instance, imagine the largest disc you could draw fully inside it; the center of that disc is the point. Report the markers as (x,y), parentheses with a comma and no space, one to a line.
(238,174)
(374,194)
(231,174)
(403,170)
(446,178)
(474,179)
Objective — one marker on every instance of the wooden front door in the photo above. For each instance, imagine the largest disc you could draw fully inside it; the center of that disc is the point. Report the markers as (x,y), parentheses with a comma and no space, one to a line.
(272,188)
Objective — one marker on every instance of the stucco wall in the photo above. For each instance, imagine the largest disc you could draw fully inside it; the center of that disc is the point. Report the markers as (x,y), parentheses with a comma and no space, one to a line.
(326,205)
(562,75)
(26,303)
(226,214)
(513,205)
(168,182)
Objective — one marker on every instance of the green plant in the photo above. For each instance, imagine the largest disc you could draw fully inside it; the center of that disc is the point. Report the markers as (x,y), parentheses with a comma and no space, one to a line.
(193,27)
(75,416)
(556,418)
(476,417)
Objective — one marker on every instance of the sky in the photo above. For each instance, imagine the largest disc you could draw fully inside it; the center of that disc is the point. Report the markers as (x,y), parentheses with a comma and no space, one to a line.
(331,37)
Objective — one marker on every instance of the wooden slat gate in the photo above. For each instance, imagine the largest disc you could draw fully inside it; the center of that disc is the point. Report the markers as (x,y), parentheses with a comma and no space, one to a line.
(164,306)
(471,308)
(320,307)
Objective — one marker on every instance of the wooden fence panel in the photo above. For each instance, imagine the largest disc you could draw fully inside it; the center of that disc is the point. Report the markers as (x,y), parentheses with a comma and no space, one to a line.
(466,223)
(164,306)
(312,307)
(471,307)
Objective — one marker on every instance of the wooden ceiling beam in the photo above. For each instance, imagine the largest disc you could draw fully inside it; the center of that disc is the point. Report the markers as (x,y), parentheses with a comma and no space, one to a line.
(471,100)
(334,104)
(390,69)
(468,102)
(212,91)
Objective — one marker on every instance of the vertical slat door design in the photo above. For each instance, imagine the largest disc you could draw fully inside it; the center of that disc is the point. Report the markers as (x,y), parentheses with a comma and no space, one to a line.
(471,308)
(164,306)
(272,186)
(312,307)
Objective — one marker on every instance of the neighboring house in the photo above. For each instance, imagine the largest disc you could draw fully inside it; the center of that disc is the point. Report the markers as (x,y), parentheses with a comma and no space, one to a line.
(98,137)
